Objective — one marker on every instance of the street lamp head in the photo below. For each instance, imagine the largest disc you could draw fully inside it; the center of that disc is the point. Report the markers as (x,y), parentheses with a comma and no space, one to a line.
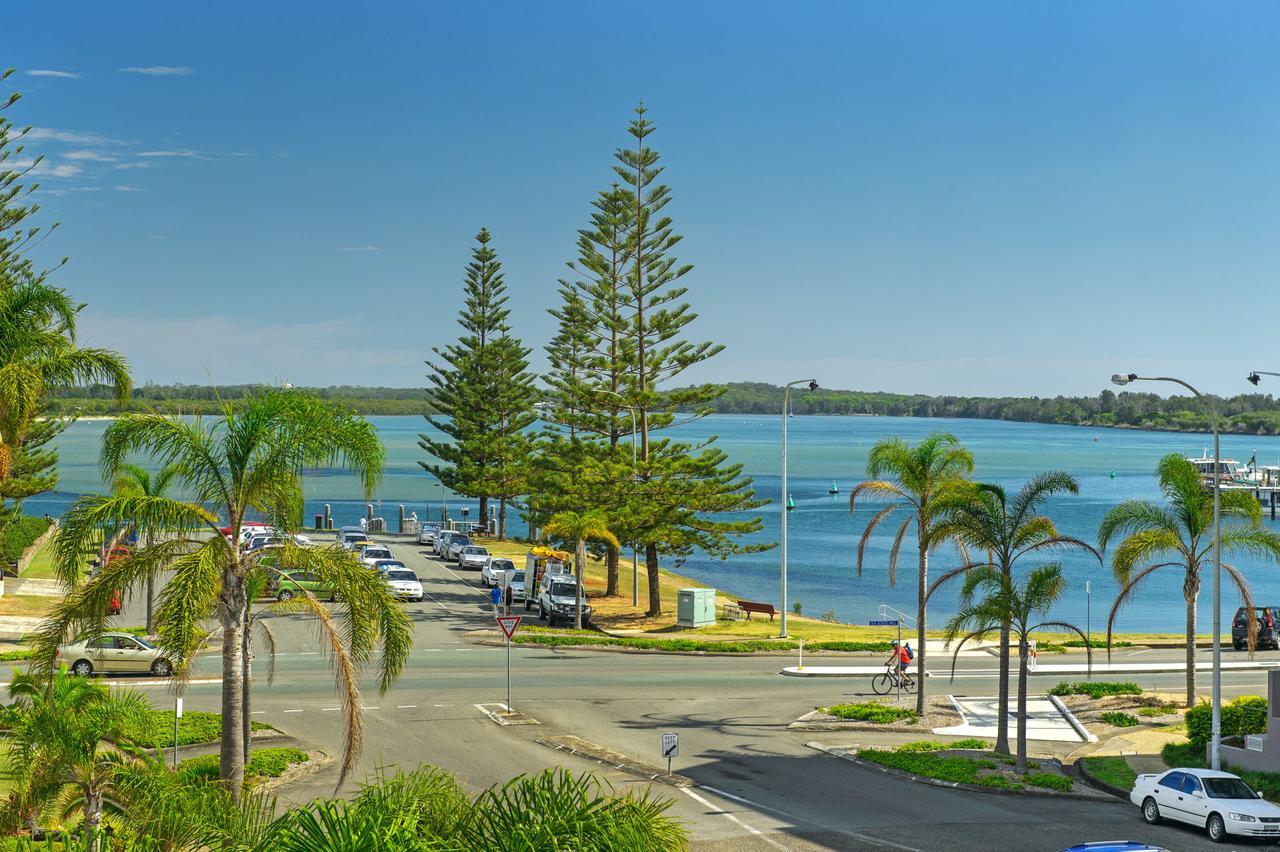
(1253,379)
(1123,379)
(813,384)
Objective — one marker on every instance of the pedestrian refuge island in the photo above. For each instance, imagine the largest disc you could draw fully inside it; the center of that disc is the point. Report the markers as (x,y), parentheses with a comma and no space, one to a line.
(1259,752)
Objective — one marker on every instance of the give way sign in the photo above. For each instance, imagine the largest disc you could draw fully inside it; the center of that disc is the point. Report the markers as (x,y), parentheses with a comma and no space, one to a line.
(508,623)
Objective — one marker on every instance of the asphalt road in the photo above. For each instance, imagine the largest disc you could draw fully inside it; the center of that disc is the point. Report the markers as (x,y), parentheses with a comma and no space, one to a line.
(759,785)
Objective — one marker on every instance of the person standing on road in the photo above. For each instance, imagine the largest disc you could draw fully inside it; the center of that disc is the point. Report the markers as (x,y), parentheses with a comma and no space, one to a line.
(495,595)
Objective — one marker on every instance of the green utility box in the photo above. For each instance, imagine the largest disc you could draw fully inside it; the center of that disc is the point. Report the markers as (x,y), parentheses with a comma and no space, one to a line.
(695,607)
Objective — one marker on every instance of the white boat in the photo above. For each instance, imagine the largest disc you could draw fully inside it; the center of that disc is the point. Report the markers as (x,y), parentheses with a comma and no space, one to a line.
(1229,471)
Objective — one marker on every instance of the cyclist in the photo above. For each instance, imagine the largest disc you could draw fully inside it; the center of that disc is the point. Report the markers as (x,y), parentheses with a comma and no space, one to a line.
(903,658)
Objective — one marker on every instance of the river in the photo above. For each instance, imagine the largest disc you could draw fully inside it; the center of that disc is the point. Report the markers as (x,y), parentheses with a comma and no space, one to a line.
(822,533)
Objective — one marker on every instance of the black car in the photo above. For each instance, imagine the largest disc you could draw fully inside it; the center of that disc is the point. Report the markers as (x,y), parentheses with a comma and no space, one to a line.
(1268,624)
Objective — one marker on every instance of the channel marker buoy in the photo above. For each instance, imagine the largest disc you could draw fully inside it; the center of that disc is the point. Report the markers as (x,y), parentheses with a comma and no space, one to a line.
(791,503)
(834,489)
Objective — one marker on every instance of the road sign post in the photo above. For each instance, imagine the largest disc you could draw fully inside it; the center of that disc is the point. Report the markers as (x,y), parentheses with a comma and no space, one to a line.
(508,623)
(177,714)
(670,748)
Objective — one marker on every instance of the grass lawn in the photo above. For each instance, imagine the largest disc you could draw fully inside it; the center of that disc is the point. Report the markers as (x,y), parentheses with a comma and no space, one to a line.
(35,606)
(1113,770)
(41,567)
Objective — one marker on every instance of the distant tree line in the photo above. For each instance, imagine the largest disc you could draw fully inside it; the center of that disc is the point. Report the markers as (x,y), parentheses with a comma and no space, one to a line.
(1250,414)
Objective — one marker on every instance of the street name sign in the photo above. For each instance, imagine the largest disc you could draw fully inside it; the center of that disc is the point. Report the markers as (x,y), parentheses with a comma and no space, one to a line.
(892,622)
(508,623)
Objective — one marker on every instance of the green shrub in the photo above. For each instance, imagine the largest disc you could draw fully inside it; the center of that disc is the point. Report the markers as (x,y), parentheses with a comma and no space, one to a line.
(872,711)
(1120,720)
(1246,715)
(1096,688)
(18,534)
(960,769)
(839,645)
(16,655)
(1158,710)
(998,781)
(971,743)
(1048,780)
(742,646)
(1184,754)
(263,763)
(194,727)
(1079,643)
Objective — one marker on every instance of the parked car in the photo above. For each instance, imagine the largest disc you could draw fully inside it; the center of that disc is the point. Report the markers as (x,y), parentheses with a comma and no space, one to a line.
(404,584)
(290,585)
(427,533)
(113,653)
(374,552)
(494,569)
(457,541)
(1218,802)
(558,598)
(351,538)
(473,556)
(1115,846)
(257,541)
(1268,628)
(384,565)
(513,585)
(441,546)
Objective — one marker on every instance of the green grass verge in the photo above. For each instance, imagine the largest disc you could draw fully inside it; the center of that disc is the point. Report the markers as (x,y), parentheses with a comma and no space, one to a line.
(743,646)
(194,727)
(1079,643)
(1096,688)
(963,770)
(872,711)
(968,744)
(1111,770)
(1120,720)
(263,763)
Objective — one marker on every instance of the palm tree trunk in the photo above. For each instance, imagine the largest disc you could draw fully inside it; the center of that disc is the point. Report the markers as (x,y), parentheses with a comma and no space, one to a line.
(151,599)
(611,571)
(651,572)
(922,587)
(231,614)
(1191,650)
(246,686)
(1020,764)
(1002,723)
(92,812)
(580,564)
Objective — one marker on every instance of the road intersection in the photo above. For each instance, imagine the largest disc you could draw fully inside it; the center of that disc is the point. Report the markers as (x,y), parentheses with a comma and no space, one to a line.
(758,785)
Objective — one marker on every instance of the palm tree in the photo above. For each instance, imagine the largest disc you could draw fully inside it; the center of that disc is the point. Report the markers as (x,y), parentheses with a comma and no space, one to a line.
(250,459)
(1180,535)
(39,354)
(984,519)
(579,527)
(913,477)
(992,601)
(136,481)
(61,725)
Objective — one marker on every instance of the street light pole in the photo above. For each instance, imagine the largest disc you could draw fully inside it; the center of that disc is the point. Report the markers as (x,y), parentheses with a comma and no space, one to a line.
(1215,743)
(782,501)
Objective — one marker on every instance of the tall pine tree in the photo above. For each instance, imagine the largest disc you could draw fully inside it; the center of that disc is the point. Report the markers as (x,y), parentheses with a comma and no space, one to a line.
(476,387)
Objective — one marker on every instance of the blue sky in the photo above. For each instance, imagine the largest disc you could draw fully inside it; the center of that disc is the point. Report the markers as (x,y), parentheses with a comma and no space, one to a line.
(1015,198)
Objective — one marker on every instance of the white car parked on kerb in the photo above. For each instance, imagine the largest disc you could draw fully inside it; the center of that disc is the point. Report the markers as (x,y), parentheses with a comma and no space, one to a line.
(1218,802)
(494,569)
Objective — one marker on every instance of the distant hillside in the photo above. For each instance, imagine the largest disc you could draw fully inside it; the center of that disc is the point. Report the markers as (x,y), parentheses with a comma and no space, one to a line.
(1255,414)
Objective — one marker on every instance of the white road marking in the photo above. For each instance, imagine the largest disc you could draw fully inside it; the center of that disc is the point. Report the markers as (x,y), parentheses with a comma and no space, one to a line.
(441,705)
(158,681)
(290,711)
(706,804)
(329,709)
(308,653)
(258,713)
(406,706)
(369,708)
(437,603)
(1136,653)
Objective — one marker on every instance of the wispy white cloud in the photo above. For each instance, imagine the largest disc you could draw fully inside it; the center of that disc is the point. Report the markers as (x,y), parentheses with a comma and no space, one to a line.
(142,165)
(48,72)
(160,70)
(45,168)
(125,188)
(181,152)
(73,137)
(87,154)
(358,248)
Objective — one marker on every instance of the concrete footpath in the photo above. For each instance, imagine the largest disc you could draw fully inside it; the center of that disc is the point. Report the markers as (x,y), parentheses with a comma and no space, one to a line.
(1043,669)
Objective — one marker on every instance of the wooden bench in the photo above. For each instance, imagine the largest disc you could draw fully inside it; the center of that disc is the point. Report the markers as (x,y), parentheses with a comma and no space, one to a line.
(763,608)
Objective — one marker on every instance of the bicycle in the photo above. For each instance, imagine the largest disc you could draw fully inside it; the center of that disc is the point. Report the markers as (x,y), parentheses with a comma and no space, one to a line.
(889,680)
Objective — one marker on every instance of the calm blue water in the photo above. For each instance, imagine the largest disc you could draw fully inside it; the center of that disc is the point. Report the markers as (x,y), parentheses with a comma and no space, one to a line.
(822,532)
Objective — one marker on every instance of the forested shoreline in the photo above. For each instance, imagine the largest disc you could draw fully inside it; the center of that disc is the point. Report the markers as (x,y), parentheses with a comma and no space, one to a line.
(1252,414)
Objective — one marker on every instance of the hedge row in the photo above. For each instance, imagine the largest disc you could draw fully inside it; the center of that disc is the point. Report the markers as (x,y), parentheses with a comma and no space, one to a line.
(1096,688)
(18,534)
(744,646)
(1246,715)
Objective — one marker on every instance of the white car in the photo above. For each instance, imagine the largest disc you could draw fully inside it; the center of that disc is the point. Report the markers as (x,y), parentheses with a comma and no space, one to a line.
(494,569)
(513,581)
(403,584)
(374,553)
(427,534)
(1218,802)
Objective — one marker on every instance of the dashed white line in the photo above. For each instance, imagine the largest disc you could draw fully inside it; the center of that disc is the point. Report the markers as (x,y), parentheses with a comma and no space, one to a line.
(436,602)
(290,711)
(406,706)
(258,713)
(752,830)
(308,653)
(329,709)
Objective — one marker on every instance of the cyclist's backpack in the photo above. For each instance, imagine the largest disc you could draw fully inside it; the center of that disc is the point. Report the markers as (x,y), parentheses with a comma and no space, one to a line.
(911,655)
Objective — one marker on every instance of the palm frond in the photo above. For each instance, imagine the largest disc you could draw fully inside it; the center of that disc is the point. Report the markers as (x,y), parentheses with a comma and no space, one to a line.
(870,530)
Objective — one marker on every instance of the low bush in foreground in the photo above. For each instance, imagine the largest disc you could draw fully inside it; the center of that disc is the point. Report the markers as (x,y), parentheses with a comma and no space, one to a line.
(1049,780)
(1113,770)
(1118,719)
(968,744)
(963,770)
(872,711)
(263,763)
(1096,688)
